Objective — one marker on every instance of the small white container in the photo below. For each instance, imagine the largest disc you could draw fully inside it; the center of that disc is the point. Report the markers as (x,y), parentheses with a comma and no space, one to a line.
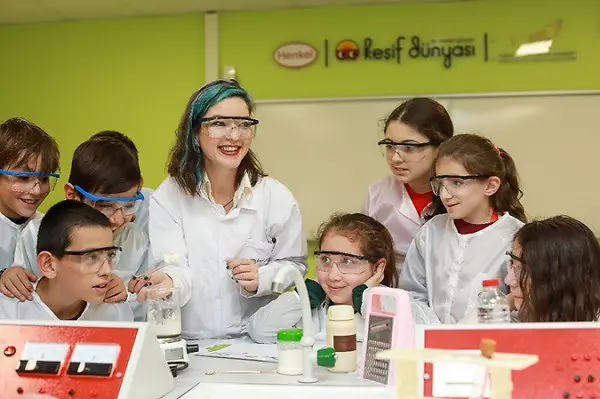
(341,336)
(289,352)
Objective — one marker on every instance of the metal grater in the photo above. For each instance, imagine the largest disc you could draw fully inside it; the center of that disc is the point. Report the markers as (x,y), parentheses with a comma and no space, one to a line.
(379,338)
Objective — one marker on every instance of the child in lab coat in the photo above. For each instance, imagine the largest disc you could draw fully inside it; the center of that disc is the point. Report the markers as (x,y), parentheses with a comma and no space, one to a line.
(142,214)
(29,162)
(453,253)
(232,226)
(74,256)
(355,252)
(403,200)
(105,175)
(554,273)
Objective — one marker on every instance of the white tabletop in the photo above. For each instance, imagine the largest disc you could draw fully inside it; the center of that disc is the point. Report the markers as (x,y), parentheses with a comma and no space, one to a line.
(188,379)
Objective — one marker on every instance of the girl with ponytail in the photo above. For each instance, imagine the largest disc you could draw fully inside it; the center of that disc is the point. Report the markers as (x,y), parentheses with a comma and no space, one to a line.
(454,252)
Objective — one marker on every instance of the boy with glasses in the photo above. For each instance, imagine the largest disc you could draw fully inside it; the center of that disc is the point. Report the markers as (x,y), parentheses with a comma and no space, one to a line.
(106,176)
(75,252)
(29,160)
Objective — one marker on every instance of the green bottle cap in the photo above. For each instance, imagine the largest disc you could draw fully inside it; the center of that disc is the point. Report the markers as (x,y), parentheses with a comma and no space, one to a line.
(326,357)
(291,335)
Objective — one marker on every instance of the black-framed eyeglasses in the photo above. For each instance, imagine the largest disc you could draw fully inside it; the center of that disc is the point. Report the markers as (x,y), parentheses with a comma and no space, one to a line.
(407,151)
(514,257)
(452,183)
(92,259)
(346,263)
(87,251)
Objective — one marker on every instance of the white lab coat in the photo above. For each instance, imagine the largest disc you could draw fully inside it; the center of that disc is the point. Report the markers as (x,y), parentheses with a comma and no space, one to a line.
(9,235)
(200,231)
(388,202)
(286,312)
(132,260)
(443,269)
(36,309)
(143,213)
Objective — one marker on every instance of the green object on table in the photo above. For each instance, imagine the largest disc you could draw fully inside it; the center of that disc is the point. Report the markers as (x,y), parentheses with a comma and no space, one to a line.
(290,335)
(326,357)
(217,347)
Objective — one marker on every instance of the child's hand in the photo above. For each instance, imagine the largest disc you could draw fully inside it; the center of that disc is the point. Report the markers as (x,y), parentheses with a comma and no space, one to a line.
(16,283)
(115,291)
(245,273)
(376,278)
(140,285)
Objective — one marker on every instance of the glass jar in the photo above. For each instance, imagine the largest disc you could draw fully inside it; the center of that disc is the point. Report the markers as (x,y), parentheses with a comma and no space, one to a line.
(289,352)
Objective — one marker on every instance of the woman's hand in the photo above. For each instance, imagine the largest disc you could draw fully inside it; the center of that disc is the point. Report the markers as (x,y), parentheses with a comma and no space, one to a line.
(245,273)
(139,285)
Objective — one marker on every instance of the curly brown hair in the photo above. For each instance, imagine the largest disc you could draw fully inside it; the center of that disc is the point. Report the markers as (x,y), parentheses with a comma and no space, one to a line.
(373,238)
(560,274)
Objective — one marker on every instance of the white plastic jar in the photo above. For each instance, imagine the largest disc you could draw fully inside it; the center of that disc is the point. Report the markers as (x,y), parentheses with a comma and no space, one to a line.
(289,351)
(341,336)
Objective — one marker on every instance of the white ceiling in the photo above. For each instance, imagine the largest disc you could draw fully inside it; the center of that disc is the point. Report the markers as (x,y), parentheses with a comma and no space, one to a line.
(29,11)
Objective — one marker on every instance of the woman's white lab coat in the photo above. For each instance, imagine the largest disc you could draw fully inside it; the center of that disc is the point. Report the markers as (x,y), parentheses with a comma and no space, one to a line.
(267,220)
(9,235)
(388,202)
(443,269)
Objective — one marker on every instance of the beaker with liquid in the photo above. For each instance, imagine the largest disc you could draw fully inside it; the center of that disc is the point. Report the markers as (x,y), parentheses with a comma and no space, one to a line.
(164,311)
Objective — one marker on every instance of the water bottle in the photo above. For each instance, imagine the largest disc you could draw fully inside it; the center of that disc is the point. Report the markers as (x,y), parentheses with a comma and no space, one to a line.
(492,303)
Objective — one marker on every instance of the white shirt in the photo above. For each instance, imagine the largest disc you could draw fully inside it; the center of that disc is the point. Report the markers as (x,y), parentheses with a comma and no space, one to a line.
(9,235)
(143,213)
(265,224)
(13,309)
(133,259)
(388,202)
(443,269)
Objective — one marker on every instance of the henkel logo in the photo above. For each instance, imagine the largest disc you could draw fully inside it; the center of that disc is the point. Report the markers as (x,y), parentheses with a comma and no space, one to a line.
(295,55)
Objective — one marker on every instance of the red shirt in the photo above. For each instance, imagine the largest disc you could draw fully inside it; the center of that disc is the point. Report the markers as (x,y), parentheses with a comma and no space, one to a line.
(420,201)
(470,228)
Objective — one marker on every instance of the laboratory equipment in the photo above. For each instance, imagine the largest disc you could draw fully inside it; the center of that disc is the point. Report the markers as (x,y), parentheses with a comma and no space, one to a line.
(341,336)
(388,324)
(308,338)
(99,360)
(164,314)
(289,352)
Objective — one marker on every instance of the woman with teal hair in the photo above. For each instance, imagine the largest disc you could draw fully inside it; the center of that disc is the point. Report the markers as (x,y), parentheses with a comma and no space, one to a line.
(231,225)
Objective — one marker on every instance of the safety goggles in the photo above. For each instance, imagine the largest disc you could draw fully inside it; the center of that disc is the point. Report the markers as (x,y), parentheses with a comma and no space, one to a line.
(408,152)
(346,263)
(92,260)
(219,127)
(24,182)
(454,184)
(111,205)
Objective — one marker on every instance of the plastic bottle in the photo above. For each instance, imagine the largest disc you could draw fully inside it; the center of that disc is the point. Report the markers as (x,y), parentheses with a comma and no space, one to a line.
(289,352)
(492,304)
(341,336)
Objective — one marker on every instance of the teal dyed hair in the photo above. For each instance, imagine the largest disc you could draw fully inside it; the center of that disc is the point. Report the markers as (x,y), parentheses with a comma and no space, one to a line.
(186,164)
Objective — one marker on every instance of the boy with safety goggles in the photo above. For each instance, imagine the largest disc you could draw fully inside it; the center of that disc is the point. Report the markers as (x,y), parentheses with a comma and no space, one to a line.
(75,253)
(29,163)
(106,176)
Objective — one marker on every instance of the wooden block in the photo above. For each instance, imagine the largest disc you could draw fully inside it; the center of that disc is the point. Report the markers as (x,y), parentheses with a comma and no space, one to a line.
(488,347)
